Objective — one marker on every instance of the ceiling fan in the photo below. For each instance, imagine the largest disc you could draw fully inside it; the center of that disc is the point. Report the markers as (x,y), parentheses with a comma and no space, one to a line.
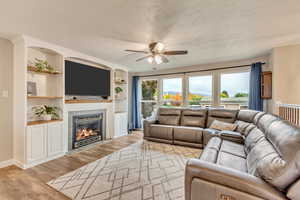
(157,53)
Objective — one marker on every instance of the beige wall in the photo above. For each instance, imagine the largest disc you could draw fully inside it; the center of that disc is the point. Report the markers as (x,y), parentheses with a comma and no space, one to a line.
(6,58)
(286,74)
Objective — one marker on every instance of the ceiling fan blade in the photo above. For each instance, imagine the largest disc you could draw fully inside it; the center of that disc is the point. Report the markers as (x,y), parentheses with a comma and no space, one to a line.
(137,51)
(164,59)
(143,58)
(175,52)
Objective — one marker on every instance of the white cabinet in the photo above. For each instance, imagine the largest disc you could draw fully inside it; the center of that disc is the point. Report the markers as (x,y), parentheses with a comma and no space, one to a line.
(55,139)
(44,142)
(36,143)
(121,127)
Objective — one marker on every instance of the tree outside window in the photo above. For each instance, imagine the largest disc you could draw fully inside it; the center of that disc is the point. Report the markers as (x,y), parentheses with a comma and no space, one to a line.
(172,92)
(235,90)
(149,97)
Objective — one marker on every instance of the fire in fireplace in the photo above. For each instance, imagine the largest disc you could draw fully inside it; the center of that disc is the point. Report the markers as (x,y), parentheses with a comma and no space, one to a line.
(83,133)
(87,129)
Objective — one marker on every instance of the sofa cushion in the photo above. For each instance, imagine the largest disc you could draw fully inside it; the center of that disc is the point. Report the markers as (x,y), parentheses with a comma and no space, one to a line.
(283,168)
(249,129)
(188,134)
(232,136)
(232,161)
(169,116)
(222,126)
(194,117)
(208,133)
(169,111)
(265,121)
(161,131)
(252,138)
(224,115)
(261,152)
(257,117)
(211,151)
(241,126)
(247,115)
(233,148)
(168,120)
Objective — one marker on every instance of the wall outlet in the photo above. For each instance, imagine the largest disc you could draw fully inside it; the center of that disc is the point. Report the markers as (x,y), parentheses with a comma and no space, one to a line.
(4,93)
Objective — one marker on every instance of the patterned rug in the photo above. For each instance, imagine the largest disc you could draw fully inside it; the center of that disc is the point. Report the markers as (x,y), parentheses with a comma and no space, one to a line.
(145,170)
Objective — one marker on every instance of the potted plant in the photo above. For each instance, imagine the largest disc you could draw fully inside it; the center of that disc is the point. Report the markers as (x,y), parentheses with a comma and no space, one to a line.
(46,112)
(43,66)
(118,90)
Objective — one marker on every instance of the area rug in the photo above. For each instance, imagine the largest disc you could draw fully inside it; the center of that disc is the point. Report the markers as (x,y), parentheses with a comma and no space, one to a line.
(143,171)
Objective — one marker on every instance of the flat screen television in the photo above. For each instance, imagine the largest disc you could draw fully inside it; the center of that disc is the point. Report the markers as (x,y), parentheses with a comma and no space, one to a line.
(85,80)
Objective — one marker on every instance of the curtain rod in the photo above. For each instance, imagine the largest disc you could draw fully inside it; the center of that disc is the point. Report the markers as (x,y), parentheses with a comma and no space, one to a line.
(204,70)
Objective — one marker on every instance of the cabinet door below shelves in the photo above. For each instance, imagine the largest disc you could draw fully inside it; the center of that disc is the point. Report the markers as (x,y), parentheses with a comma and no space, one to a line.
(120,124)
(36,143)
(124,124)
(55,139)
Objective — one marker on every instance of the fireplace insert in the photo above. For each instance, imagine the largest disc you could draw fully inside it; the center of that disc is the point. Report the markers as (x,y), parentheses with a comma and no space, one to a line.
(87,129)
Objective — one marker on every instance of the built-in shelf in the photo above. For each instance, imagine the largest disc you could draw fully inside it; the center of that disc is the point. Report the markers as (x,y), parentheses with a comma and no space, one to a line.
(44,97)
(31,123)
(120,83)
(122,99)
(87,101)
(34,70)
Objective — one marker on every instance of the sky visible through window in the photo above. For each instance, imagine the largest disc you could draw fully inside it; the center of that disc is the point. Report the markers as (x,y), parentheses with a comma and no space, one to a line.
(235,83)
(172,86)
(232,83)
(201,85)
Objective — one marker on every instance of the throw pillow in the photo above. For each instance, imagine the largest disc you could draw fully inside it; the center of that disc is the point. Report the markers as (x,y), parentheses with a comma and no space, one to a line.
(223,126)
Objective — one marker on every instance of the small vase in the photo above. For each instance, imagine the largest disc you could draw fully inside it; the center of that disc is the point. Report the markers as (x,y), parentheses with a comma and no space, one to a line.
(47,117)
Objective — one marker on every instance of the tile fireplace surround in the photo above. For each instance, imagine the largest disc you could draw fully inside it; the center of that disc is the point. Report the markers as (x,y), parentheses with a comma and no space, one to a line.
(87,109)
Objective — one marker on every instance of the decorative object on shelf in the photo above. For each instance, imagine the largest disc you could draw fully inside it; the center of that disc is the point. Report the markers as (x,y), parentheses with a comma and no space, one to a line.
(118,91)
(46,112)
(31,88)
(42,66)
(120,81)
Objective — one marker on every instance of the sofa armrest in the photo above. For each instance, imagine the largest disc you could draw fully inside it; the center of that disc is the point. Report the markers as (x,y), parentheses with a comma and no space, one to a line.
(232,136)
(227,177)
(146,126)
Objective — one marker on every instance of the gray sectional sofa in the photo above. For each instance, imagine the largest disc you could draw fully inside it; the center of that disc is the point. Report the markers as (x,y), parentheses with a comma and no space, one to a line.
(260,159)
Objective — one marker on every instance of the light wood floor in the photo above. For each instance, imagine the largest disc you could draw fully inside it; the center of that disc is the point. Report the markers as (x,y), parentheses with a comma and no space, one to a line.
(18,184)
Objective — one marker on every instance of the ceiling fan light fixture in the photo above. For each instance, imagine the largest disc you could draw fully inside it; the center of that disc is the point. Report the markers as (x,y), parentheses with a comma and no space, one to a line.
(150,60)
(160,47)
(158,59)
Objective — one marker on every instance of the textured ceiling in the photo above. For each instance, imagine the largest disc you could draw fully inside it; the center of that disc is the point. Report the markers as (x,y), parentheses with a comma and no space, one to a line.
(211,30)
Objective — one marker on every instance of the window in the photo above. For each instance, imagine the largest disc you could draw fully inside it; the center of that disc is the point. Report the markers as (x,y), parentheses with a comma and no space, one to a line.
(235,90)
(149,97)
(172,92)
(200,90)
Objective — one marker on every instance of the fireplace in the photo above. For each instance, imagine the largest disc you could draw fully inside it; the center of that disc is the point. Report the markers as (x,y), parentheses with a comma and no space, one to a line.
(86,127)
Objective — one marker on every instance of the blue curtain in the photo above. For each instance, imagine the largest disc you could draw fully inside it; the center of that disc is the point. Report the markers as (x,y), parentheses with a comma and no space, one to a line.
(136,116)
(255,100)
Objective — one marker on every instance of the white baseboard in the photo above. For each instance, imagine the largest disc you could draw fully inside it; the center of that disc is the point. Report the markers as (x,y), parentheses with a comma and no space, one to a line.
(21,165)
(7,163)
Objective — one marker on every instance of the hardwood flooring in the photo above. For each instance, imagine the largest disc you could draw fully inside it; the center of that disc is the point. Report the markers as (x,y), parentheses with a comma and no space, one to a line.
(30,184)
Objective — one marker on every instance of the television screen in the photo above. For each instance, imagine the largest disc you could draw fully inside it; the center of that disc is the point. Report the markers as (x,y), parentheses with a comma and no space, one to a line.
(84,80)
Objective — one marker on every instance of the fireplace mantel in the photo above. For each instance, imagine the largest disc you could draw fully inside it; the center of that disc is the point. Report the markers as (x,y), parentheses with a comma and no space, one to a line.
(87,101)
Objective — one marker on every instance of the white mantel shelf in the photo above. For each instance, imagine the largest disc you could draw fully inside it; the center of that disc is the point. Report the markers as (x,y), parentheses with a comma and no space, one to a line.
(87,101)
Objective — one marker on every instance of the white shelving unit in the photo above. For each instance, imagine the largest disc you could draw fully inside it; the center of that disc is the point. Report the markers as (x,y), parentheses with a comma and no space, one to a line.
(121,102)
(49,90)
(36,141)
